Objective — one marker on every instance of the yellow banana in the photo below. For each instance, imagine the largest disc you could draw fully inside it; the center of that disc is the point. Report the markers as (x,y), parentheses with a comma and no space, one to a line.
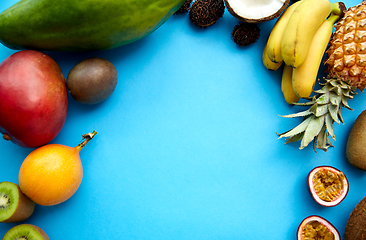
(275,37)
(286,86)
(299,32)
(268,63)
(304,76)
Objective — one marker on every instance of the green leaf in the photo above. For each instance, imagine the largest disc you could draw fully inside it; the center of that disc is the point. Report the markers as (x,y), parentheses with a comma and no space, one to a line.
(335,99)
(319,110)
(298,129)
(294,138)
(312,130)
(333,110)
(329,126)
(299,114)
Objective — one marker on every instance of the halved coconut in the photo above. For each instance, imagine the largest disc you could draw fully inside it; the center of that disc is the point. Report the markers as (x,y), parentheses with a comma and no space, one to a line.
(327,185)
(316,227)
(256,10)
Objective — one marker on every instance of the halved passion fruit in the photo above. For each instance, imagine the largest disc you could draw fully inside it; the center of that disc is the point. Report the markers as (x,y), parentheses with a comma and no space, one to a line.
(316,227)
(327,185)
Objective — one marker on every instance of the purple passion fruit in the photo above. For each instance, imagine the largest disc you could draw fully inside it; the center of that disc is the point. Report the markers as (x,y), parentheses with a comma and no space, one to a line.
(316,227)
(327,185)
(92,80)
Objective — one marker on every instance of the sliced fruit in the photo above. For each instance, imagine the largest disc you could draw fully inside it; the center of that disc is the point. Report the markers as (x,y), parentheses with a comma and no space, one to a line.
(327,185)
(316,227)
(256,11)
(14,205)
(26,231)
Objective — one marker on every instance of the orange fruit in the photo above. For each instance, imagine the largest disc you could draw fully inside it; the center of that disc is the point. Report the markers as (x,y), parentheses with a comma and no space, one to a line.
(51,174)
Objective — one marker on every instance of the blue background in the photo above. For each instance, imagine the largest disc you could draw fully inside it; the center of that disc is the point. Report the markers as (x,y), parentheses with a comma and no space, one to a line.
(187,146)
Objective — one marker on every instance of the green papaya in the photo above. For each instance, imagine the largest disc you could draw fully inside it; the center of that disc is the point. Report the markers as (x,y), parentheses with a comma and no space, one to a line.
(81,25)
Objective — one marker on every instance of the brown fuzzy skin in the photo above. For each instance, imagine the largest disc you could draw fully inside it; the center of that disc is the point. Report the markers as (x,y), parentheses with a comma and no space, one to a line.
(24,209)
(356,143)
(232,12)
(356,225)
(40,231)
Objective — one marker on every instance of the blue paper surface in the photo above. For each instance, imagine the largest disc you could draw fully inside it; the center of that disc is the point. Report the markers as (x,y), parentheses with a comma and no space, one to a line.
(187,145)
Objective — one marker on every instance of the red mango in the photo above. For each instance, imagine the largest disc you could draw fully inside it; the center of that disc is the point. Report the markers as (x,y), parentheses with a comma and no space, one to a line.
(33,98)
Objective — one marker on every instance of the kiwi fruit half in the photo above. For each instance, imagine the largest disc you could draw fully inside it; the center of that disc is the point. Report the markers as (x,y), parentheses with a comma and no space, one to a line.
(26,231)
(14,205)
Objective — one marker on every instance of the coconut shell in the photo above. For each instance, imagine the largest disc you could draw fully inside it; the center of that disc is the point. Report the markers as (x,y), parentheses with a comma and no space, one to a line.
(257,20)
(356,224)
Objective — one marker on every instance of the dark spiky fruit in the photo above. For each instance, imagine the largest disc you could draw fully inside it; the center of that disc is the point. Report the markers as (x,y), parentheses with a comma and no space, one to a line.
(185,7)
(245,34)
(204,13)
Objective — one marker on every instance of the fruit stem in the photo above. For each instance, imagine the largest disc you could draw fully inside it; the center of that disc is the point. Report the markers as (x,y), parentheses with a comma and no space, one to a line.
(86,138)
(7,137)
(338,8)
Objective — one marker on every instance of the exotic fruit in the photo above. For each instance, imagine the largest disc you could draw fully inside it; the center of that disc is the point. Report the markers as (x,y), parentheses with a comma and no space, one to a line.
(346,54)
(51,174)
(14,205)
(255,11)
(33,98)
(355,148)
(327,185)
(82,25)
(356,225)
(204,13)
(245,34)
(346,73)
(26,231)
(316,227)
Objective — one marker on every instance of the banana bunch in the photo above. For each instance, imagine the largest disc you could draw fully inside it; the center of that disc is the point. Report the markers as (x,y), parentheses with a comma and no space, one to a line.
(298,40)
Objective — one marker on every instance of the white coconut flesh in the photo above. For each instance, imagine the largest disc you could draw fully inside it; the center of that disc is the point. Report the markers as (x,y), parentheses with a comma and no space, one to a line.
(256,9)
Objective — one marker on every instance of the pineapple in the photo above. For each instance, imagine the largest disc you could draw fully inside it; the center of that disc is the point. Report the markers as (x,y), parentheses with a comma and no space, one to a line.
(346,68)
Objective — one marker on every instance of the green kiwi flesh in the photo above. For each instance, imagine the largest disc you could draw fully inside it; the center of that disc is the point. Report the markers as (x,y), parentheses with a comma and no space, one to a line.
(25,232)
(14,205)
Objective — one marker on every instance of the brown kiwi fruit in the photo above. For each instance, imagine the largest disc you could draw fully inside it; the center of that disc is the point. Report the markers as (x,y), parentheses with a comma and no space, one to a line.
(26,231)
(356,224)
(355,148)
(92,80)
(14,205)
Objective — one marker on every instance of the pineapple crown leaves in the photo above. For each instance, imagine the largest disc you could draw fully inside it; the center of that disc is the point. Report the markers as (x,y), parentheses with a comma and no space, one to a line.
(325,108)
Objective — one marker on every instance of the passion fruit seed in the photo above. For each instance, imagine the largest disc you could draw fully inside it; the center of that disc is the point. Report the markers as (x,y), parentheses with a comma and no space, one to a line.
(327,184)
(316,231)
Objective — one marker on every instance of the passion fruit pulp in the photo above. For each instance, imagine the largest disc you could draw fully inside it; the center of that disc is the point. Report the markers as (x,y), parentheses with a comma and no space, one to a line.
(328,185)
(317,228)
